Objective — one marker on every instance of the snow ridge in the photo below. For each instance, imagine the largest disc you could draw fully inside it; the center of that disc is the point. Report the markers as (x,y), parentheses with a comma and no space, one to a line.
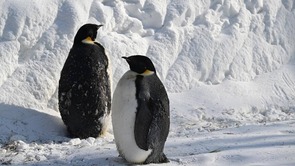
(246,39)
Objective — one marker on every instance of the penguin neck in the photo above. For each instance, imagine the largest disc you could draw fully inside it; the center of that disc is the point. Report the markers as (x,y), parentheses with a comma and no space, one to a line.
(83,44)
(130,75)
(138,82)
(133,75)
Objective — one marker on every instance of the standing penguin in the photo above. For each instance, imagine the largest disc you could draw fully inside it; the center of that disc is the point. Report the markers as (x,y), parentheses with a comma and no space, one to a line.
(140,113)
(84,92)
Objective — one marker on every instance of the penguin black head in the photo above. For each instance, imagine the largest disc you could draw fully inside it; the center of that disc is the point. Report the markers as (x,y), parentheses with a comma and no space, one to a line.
(141,65)
(86,34)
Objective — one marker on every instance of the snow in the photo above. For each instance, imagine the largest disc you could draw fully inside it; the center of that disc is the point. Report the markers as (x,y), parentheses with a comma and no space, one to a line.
(228,66)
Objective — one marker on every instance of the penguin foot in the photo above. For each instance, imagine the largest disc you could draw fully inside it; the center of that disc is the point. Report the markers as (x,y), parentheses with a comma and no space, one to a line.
(161,159)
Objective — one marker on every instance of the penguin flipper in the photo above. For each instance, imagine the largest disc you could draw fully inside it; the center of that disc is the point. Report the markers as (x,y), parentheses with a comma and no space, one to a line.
(159,126)
(142,125)
(158,132)
(151,124)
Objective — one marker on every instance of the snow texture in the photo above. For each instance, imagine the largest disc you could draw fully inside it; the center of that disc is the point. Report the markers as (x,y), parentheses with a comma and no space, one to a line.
(228,65)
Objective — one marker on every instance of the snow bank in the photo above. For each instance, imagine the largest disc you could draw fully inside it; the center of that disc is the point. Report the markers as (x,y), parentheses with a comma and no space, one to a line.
(190,42)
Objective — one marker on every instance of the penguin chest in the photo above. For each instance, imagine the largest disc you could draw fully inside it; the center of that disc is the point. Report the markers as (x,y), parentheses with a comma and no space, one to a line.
(123,119)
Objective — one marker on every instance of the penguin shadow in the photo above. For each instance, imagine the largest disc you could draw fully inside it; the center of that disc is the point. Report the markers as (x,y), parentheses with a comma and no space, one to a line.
(121,161)
(118,161)
(29,125)
(195,148)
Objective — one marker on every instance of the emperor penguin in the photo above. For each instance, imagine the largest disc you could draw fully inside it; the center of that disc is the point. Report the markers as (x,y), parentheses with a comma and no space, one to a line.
(140,113)
(84,92)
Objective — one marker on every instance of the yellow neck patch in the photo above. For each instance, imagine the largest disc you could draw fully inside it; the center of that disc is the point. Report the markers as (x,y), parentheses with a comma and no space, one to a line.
(88,40)
(147,73)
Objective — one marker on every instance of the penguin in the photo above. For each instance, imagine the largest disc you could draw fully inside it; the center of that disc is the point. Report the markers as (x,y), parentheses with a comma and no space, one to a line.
(140,113)
(84,92)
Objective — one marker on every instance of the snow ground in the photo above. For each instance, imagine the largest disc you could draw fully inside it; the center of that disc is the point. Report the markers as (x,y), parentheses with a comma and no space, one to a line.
(228,65)
(40,139)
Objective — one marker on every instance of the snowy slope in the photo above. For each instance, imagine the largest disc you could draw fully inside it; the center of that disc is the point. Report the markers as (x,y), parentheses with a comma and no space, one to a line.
(228,65)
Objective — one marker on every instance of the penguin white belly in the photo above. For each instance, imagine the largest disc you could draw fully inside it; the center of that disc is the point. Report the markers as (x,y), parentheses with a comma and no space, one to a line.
(123,119)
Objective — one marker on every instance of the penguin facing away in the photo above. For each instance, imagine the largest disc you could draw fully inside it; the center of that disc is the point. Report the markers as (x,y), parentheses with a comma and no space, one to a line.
(140,113)
(84,94)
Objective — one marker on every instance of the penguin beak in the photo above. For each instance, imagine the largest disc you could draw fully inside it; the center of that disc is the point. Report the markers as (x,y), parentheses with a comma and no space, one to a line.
(126,58)
(98,26)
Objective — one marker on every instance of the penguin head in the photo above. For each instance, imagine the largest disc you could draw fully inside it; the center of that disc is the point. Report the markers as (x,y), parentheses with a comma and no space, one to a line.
(86,34)
(141,65)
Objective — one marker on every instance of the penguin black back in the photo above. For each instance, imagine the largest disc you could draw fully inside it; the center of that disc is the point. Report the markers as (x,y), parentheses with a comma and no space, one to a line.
(155,126)
(84,86)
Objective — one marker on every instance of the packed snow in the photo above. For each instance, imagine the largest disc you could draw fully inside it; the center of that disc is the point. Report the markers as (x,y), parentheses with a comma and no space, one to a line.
(228,66)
